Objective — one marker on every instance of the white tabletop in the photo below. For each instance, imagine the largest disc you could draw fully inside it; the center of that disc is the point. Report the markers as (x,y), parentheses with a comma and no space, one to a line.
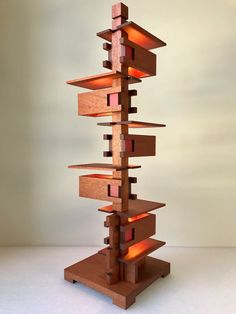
(202,280)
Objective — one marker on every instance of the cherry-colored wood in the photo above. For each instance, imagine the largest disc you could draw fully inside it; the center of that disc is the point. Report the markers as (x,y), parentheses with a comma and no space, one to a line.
(102,166)
(143,227)
(107,209)
(95,186)
(120,10)
(135,272)
(143,145)
(135,208)
(141,62)
(136,34)
(95,103)
(101,80)
(91,272)
(122,269)
(141,249)
(133,124)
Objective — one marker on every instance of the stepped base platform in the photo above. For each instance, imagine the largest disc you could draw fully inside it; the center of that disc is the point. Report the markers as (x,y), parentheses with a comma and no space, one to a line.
(91,272)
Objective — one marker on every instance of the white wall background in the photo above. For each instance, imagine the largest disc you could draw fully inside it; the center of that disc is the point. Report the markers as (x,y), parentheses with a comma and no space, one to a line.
(43,44)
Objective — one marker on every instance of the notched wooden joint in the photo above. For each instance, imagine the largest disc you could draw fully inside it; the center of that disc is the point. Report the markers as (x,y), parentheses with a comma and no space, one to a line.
(133,92)
(107,136)
(132,180)
(106,240)
(122,41)
(113,190)
(133,196)
(133,110)
(107,154)
(114,99)
(123,60)
(107,64)
(106,46)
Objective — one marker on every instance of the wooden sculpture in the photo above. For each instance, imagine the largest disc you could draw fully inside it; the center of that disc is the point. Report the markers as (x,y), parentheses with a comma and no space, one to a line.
(122,269)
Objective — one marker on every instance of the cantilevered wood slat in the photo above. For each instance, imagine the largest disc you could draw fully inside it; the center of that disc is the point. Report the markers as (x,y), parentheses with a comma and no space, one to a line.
(140,250)
(101,80)
(103,166)
(134,145)
(133,55)
(136,34)
(136,207)
(141,228)
(96,186)
(133,124)
(107,209)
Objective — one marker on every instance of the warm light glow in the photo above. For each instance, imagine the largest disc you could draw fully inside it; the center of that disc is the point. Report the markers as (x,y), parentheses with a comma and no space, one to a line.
(132,219)
(136,73)
(99,176)
(108,209)
(100,83)
(99,114)
(138,37)
(136,250)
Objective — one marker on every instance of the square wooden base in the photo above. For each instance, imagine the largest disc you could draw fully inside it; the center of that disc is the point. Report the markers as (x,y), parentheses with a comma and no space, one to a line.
(90,272)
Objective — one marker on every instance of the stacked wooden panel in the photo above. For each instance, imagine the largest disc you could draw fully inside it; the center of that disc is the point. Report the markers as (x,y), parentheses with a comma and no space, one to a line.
(122,269)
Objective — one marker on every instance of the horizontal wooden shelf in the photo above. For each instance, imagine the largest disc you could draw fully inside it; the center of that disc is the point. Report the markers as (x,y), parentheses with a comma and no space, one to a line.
(141,249)
(102,166)
(133,124)
(136,34)
(136,207)
(107,209)
(101,80)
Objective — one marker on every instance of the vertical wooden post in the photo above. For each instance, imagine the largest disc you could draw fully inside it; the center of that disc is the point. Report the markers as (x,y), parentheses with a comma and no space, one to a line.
(119,15)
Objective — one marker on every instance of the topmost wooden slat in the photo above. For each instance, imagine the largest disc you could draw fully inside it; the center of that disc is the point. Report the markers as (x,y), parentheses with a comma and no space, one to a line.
(101,80)
(136,34)
(133,124)
(102,166)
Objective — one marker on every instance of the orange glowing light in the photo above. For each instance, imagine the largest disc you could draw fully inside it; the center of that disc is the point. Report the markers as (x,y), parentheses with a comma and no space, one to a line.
(136,73)
(107,209)
(100,176)
(99,114)
(137,37)
(136,250)
(132,219)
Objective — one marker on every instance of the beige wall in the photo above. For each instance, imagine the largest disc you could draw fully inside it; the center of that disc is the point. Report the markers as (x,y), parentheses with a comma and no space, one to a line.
(43,44)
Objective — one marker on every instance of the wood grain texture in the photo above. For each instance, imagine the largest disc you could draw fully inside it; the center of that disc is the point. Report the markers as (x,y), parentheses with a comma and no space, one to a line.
(133,124)
(141,249)
(135,272)
(141,62)
(139,206)
(123,269)
(143,228)
(96,187)
(103,166)
(136,34)
(135,208)
(103,80)
(91,272)
(143,145)
(95,103)
(120,10)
